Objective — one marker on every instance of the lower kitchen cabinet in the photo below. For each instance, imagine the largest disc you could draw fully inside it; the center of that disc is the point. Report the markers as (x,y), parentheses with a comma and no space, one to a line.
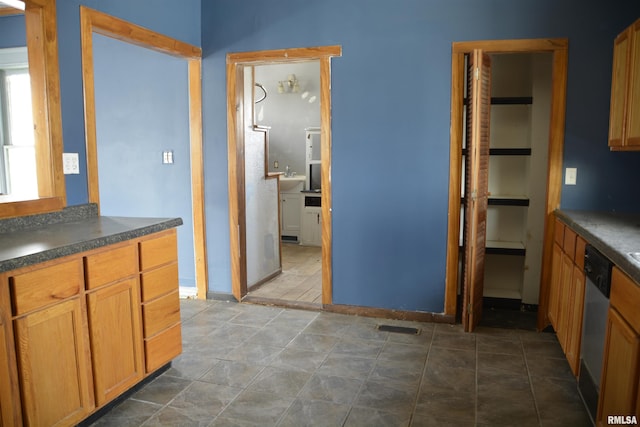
(71,330)
(160,300)
(115,333)
(575,313)
(54,364)
(621,365)
(113,303)
(554,288)
(566,293)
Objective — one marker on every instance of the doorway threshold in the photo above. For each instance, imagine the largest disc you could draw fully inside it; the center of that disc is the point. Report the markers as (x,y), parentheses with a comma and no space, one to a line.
(277,302)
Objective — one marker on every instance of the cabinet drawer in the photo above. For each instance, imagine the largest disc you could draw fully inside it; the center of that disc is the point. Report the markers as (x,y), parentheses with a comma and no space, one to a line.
(158,251)
(625,294)
(39,288)
(163,347)
(159,282)
(161,313)
(558,232)
(110,266)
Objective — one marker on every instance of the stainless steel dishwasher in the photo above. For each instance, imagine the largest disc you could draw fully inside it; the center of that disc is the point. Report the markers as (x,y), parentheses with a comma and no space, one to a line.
(597,270)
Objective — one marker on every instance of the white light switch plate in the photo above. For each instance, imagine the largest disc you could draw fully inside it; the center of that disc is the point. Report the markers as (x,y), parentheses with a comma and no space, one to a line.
(70,163)
(570,176)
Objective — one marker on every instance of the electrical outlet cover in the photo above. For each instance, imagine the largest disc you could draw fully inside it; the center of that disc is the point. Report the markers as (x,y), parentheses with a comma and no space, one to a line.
(70,163)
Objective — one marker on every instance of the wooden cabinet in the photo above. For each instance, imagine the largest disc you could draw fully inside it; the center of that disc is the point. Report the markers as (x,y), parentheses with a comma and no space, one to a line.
(71,329)
(113,304)
(160,299)
(52,344)
(566,292)
(621,365)
(624,116)
(10,411)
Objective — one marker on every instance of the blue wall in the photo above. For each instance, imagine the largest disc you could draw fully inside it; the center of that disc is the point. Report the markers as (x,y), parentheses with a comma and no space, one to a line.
(391,103)
(180,20)
(142,109)
(391,91)
(12,31)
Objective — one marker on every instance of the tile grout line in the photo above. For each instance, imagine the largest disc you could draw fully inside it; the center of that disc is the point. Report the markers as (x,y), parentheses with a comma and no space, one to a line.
(533,395)
(424,372)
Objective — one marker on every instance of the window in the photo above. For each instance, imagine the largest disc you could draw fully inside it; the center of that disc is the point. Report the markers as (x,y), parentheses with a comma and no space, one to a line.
(18,175)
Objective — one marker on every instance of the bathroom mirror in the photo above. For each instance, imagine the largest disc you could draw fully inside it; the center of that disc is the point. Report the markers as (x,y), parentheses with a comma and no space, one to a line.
(37,153)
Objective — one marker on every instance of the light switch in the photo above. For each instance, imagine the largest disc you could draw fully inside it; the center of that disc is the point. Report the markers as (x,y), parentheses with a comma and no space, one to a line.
(570,176)
(167,157)
(70,163)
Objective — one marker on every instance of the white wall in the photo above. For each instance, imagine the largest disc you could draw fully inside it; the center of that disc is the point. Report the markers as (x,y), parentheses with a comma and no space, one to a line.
(261,204)
(288,114)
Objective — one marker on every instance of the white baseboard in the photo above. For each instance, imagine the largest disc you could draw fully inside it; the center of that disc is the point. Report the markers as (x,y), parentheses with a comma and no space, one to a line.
(188,292)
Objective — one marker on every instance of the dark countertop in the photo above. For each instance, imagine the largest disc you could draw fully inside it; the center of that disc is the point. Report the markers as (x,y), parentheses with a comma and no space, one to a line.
(613,234)
(20,248)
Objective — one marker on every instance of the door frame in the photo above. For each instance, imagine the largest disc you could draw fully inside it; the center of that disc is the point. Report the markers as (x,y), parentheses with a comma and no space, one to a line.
(93,21)
(235,154)
(559,49)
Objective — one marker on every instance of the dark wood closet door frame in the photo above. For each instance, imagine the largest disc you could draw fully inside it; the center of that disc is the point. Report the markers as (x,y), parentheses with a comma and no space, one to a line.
(559,49)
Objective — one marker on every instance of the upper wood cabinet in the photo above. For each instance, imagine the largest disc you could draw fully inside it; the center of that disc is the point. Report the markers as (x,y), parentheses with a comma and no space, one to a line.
(624,118)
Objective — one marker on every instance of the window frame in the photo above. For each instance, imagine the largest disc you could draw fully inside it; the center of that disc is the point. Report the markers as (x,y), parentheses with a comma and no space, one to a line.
(42,47)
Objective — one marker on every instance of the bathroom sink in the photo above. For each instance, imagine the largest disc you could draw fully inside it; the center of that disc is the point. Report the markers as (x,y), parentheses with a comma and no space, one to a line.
(635,256)
(290,182)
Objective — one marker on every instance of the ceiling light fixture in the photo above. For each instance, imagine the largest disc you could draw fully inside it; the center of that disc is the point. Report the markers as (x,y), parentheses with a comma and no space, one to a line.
(290,85)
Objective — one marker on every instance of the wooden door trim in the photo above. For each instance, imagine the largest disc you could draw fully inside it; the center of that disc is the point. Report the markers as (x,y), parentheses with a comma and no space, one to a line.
(559,49)
(235,148)
(92,21)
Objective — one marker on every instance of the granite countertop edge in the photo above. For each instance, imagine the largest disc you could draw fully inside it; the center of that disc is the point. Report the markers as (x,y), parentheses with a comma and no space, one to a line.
(609,233)
(88,244)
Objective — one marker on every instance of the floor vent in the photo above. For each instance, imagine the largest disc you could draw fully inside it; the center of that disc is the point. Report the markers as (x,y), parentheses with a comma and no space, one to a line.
(399,329)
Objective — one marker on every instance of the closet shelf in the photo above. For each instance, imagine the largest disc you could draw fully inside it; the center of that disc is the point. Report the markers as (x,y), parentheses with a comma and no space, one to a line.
(509,100)
(505,200)
(505,151)
(498,247)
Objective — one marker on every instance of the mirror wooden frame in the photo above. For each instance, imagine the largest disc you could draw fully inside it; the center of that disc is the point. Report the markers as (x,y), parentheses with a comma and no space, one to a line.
(42,46)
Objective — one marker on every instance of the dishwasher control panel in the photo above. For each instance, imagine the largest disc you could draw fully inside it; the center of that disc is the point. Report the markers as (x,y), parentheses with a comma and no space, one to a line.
(597,268)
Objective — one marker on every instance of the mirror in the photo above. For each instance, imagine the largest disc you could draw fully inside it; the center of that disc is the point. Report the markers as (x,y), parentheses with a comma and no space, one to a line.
(38,160)
(18,173)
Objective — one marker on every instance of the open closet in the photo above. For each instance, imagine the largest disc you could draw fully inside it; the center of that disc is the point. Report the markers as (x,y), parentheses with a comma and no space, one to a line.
(505,158)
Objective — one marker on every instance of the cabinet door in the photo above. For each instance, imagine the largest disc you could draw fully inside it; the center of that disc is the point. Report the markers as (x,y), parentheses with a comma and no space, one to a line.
(619,383)
(311,227)
(633,90)
(116,338)
(564,304)
(618,90)
(55,370)
(576,307)
(290,209)
(554,288)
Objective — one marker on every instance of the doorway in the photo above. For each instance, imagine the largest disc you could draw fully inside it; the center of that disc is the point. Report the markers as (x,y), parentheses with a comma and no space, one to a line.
(472,293)
(98,23)
(236,110)
(286,104)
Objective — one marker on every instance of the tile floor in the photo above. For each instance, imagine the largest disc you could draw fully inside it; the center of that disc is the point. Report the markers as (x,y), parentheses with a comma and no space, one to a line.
(251,365)
(301,278)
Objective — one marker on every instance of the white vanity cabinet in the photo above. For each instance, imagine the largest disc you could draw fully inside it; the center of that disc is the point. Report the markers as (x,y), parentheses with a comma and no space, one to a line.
(290,208)
(311,233)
